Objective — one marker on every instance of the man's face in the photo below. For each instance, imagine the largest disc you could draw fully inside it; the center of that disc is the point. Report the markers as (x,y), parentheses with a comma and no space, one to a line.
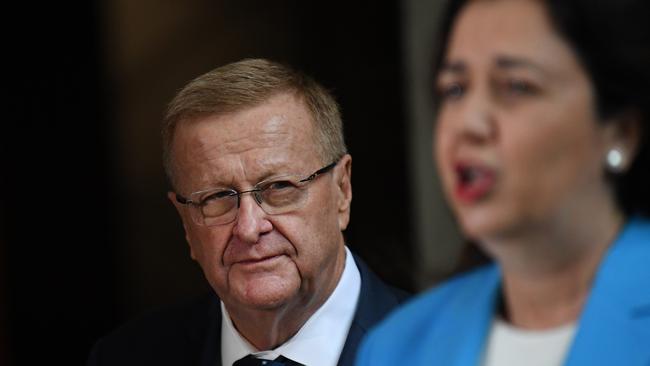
(261,261)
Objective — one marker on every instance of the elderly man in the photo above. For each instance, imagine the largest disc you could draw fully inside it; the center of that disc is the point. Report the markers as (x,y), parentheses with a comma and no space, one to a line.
(261,178)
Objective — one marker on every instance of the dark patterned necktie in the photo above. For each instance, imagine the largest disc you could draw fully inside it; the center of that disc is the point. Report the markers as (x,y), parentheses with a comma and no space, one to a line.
(251,360)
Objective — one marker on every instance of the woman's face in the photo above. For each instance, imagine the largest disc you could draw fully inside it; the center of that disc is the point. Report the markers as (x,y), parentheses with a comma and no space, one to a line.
(518,142)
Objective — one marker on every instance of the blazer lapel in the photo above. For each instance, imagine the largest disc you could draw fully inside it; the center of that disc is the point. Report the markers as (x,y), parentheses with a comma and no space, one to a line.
(614,328)
(460,338)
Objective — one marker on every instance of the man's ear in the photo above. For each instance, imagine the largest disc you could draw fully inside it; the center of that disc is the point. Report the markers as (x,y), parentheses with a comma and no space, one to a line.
(182,212)
(343,180)
(623,134)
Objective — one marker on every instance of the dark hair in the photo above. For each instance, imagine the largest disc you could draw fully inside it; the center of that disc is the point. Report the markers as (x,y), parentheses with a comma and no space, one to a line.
(612,41)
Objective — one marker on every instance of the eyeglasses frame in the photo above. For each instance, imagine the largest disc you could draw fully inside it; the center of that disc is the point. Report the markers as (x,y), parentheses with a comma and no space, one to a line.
(258,198)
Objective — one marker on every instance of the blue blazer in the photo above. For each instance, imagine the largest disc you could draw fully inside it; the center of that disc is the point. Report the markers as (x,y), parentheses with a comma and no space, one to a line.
(449,325)
(191,334)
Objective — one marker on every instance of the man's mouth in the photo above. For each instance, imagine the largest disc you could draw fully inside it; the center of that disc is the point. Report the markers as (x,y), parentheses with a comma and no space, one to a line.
(256,261)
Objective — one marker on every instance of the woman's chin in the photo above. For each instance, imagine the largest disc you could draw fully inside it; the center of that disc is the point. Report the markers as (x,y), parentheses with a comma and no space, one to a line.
(486,224)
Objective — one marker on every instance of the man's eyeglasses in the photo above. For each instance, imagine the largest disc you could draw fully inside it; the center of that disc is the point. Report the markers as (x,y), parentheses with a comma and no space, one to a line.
(278,195)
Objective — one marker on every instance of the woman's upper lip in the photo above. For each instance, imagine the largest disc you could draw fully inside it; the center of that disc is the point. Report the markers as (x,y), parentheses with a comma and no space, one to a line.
(461,165)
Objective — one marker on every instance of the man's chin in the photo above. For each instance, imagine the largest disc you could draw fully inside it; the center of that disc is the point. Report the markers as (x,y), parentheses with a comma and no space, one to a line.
(267,292)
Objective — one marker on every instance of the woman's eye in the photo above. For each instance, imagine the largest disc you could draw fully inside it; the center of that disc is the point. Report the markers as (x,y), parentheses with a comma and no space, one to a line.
(451,91)
(519,87)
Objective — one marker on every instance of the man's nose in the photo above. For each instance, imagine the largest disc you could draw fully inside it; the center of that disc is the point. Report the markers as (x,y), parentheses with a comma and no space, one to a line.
(251,221)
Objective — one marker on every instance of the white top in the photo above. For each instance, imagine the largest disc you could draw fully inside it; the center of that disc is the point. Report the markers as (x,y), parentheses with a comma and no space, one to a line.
(320,340)
(510,346)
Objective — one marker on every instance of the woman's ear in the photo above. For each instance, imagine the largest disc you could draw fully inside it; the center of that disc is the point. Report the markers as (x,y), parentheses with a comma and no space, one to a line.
(622,139)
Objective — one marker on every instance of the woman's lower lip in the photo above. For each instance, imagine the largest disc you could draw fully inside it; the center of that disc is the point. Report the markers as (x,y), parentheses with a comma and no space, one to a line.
(476,190)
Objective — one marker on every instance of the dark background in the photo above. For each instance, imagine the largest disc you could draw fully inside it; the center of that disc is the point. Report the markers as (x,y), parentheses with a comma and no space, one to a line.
(88,239)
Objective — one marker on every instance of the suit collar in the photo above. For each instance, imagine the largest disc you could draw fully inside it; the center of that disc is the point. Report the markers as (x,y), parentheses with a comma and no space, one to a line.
(465,321)
(375,301)
(614,327)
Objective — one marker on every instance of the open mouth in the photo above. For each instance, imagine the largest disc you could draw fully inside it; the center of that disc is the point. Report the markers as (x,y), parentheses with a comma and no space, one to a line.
(473,182)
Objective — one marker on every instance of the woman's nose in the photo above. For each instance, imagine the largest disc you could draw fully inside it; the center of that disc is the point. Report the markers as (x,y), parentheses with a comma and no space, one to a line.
(477,118)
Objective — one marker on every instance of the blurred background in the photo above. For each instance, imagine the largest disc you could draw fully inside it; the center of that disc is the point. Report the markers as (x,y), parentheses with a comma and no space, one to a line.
(88,239)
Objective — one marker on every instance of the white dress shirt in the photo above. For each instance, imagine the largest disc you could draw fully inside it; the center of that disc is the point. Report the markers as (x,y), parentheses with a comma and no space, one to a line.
(321,339)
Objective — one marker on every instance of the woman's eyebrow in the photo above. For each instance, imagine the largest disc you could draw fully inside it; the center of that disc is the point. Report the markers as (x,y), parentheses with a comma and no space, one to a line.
(453,67)
(512,62)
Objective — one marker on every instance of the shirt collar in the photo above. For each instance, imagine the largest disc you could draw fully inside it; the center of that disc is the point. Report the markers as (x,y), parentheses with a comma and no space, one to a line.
(325,331)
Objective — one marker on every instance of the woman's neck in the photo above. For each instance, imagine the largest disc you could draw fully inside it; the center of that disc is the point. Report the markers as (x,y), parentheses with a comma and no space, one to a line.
(547,274)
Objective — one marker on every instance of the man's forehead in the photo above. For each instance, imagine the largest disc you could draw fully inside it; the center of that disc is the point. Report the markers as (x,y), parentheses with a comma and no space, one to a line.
(224,135)
(250,145)
(244,171)
(280,114)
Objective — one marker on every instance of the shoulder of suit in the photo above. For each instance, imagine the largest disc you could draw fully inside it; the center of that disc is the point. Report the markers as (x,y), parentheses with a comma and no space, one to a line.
(164,333)
(423,309)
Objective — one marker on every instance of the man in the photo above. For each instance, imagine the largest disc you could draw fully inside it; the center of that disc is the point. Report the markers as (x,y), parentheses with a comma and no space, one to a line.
(261,179)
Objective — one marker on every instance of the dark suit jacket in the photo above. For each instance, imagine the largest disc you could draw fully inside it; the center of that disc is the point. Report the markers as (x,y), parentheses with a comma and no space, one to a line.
(191,334)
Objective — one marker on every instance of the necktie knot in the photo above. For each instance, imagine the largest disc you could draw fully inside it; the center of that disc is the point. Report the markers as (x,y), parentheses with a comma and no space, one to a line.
(251,360)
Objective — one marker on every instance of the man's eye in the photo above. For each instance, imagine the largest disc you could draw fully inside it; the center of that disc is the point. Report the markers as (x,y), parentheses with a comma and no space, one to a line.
(215,196)
(280,185)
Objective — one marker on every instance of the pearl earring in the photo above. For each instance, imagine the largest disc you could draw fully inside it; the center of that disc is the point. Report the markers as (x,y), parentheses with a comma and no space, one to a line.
(615,159)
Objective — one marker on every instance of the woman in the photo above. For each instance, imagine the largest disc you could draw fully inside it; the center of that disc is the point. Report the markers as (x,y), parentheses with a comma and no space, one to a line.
(542,146)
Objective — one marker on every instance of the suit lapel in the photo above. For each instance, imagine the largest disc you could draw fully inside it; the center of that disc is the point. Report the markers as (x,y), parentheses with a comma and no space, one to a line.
(615,325)
(211,354)
(376,300)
